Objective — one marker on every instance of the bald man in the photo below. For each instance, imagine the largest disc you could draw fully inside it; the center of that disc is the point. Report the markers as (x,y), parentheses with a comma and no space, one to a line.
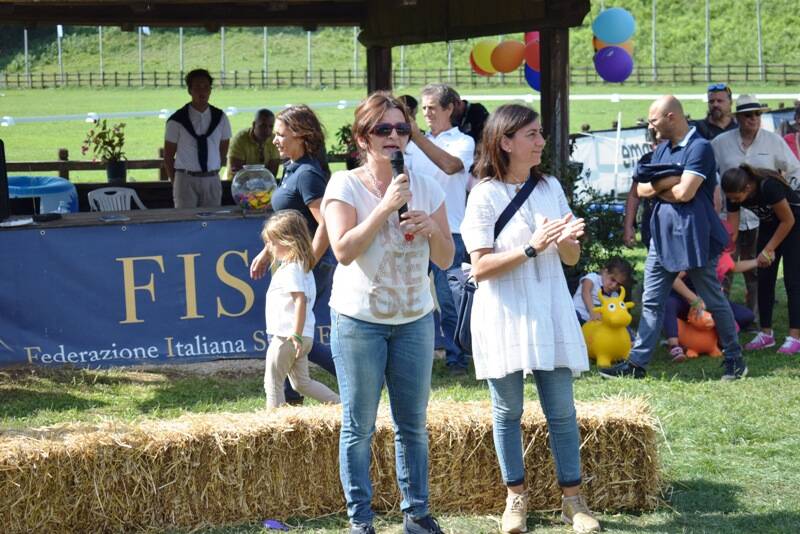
(687,235)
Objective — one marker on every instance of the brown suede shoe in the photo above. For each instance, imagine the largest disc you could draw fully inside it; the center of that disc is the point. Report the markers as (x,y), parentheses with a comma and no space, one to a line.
(575,512)
(515,517)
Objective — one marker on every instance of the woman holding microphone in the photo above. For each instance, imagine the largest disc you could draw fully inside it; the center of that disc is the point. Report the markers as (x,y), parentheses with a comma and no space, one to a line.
(381,304)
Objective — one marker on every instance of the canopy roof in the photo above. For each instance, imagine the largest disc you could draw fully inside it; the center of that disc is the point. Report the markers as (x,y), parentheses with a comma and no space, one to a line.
(385,22)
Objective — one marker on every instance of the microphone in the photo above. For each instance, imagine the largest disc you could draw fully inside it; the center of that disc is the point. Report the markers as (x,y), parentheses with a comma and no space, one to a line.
(397,169)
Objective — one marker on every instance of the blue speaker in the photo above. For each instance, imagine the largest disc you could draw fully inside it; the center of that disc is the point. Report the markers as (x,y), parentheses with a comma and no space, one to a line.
(4,207)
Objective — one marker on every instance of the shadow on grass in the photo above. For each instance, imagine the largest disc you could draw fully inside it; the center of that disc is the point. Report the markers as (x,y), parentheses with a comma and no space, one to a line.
(695,505)
(75,376)
(699,505)
(24,402)
(705,368)
(200,392)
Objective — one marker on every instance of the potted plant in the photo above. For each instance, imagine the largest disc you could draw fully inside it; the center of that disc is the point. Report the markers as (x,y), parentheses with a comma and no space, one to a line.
(106,144)
(346,145)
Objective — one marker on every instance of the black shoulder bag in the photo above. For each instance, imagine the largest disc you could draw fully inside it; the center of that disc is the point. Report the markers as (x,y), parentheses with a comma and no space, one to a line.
(463,325)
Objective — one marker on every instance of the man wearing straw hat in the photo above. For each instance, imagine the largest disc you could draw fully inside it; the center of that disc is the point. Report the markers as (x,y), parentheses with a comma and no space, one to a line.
(751,144)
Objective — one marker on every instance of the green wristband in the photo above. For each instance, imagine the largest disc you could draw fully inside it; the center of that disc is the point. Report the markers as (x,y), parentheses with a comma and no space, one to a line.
(298,337)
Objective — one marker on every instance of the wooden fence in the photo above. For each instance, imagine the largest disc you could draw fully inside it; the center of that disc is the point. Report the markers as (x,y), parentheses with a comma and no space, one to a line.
(783,74)
(63,165)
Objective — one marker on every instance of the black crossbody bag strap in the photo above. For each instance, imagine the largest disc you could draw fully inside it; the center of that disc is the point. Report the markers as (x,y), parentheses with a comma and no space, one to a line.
(515,204)
(463,333)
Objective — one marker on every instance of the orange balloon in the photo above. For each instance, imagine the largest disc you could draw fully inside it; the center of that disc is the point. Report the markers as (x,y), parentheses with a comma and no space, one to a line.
(508,56)
(532,55)
(599,45)
(476,68)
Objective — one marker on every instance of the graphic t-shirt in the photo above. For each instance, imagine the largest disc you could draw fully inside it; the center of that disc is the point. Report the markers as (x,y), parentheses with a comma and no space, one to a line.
(769,193)
(388,283)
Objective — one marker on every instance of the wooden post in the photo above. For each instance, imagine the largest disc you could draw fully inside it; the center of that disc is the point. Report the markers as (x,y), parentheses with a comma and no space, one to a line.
(162,171)
(379,69)
(555,94)
(63,168)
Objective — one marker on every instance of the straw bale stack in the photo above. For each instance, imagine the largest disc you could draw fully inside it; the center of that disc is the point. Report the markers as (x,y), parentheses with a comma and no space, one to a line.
(203,470)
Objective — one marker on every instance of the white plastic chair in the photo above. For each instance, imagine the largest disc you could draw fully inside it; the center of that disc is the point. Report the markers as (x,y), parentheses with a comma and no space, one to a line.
(113,199)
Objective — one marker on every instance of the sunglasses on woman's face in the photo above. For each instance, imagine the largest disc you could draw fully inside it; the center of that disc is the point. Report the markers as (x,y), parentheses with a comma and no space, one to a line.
(384,129)
(750,114)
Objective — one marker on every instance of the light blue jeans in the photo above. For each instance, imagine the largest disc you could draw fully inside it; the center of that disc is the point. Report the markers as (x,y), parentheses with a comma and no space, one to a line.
(657,285)
(555,397)
(366,355)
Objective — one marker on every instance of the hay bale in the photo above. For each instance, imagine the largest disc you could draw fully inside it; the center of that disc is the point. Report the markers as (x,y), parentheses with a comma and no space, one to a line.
(203,470)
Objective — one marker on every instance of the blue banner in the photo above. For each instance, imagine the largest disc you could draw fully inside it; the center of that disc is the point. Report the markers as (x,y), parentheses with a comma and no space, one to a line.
(142,293)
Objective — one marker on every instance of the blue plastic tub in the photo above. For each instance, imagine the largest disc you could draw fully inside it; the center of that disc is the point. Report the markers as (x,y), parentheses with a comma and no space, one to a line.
(50,190)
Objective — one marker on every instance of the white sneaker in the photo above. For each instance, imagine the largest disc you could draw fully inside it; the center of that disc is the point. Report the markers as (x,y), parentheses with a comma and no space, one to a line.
(575,512)
(515,517)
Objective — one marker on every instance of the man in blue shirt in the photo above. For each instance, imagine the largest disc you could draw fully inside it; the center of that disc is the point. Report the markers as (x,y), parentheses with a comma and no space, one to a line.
(687,235)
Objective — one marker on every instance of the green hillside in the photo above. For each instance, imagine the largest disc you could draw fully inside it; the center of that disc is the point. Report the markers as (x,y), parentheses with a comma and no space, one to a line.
(680,40)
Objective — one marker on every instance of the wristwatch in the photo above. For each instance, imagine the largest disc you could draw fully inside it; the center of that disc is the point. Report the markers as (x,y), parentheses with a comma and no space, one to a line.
(530,251)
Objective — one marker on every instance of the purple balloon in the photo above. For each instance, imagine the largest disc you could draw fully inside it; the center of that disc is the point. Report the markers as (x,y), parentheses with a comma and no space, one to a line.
(613,64)
(533,77)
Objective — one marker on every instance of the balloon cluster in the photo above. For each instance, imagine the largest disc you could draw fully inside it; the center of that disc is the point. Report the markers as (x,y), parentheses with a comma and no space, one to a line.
(533,64)
(613,58)
(490,57)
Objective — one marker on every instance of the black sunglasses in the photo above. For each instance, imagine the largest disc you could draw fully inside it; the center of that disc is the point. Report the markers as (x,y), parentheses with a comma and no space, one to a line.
(384,129)
(750,114)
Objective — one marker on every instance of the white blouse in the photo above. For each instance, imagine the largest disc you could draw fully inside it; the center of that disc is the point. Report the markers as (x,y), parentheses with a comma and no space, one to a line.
(523,319)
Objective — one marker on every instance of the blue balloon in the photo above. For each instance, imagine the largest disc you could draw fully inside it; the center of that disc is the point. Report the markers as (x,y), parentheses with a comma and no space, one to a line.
(533,77)
(613,64)
(614,25)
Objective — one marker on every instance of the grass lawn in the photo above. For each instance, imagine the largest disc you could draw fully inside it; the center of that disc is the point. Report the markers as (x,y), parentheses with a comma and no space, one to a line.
(144,135)
(728,450)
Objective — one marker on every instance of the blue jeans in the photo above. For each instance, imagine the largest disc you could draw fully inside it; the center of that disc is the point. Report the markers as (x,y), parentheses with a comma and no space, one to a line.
(320,353)
(555,397)
(446,291)
(367,355)
(657,286)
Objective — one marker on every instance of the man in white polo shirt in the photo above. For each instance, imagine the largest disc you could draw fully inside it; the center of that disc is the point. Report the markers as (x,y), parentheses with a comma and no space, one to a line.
(195,145)
(445,154)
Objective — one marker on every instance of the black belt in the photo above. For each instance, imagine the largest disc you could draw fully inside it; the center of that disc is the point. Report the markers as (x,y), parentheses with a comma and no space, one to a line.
(199,174)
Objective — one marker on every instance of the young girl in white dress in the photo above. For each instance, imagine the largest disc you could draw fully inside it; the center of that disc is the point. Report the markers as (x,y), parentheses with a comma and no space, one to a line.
(289,309)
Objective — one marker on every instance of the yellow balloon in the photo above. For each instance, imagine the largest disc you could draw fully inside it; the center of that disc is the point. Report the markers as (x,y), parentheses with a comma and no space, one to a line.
(482,54)
(599,45)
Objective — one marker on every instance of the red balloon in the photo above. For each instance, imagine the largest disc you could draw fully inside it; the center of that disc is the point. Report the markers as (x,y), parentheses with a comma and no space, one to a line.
(531,36)
(532,55)
(475,67)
